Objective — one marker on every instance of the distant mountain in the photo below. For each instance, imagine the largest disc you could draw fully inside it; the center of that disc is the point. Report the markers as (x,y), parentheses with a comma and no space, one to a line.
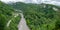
(54,2)
(21,5)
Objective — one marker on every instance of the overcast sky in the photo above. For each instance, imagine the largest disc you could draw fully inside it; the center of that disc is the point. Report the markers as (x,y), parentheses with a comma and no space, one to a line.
(34,1)
(27,0)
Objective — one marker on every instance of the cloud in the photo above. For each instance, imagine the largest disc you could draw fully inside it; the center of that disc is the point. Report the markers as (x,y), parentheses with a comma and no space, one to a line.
(6,1)
(35,1)
(52,2)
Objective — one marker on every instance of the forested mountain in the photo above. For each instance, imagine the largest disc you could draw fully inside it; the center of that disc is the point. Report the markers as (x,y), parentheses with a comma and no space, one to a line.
(40,16)
(6,14)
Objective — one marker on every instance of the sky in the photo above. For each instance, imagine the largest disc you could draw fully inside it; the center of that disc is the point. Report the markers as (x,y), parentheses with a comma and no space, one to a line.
(24,0)
(34,1)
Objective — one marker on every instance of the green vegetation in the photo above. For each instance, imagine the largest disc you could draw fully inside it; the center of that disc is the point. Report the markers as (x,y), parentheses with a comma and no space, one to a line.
(13,24)
(6,14)
(41,16)
(38,16)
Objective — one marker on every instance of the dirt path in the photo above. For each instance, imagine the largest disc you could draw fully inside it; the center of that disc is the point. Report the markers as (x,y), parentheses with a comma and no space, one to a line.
(22,24)
(11,20)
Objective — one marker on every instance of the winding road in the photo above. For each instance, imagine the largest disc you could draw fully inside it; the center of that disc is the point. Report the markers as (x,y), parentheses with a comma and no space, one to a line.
(22,24)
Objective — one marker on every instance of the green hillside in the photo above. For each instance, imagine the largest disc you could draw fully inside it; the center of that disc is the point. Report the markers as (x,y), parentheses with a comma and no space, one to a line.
(40,16)
(6,14)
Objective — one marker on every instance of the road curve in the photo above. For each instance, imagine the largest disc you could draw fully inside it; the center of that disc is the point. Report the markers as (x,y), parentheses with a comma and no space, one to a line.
(22,24)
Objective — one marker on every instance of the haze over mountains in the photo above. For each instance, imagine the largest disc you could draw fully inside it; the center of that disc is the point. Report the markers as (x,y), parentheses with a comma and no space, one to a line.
(34,1)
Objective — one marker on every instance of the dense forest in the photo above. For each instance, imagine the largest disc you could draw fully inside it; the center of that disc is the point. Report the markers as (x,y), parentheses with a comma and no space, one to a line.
(6,14)
(38,16)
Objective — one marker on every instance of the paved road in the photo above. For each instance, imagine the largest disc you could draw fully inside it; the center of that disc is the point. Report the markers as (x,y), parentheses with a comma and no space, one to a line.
(22,24)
